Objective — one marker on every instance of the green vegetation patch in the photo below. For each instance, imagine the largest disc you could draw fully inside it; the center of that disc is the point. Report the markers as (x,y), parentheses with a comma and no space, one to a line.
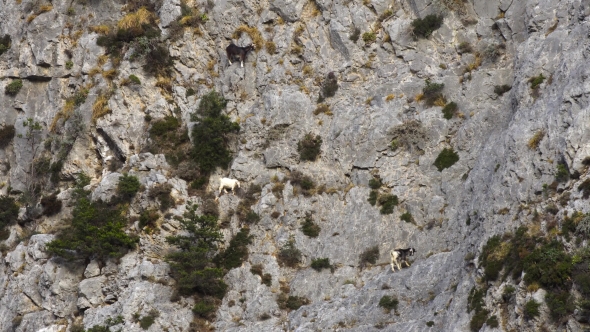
(6,135)
(389,302)
(388,202)
(291,302)
(432,92)
(531,309)
(329,87)
(14,87)
(8,214)
(375,183)
(289,255)
(369,37)
(407,217)
(502,89)
(5,43)
(237,252)
(319,264)
(96,229)
(424,27)
(309,147)
(373,197)
(51,205)
(369,256)
(309,228)
(449,110)
(446,159)
(535,81)
(127,187)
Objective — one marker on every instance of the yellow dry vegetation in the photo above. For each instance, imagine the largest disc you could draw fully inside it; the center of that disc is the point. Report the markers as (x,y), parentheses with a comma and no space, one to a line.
(307,70)
(440,101)
(45,8)
(390,97)
(419,97)
(136,20)
(501,251)
(109,74)
(475,64)
(536,140)
(271,47)
(31,18)
(100,29)
(102,60)
(164,83)
(93,71)
(100,107)
(254,34)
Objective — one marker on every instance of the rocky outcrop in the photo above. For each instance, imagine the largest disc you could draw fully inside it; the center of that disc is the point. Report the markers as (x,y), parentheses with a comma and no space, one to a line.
(497,184)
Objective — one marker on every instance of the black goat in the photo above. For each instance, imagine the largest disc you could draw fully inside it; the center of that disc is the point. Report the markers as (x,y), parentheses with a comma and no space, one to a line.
(400,255)
(233,51)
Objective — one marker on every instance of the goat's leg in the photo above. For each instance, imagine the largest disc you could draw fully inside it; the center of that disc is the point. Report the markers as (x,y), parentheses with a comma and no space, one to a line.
(392,267)
(399,266)
(228,57)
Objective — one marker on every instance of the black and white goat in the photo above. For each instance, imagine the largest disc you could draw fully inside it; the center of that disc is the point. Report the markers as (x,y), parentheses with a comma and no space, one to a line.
(234,50)
(399,256)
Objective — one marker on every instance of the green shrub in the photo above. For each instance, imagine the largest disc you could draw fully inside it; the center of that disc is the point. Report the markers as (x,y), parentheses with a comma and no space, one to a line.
(584,187)
(388,202)
(291,302)
(424,27)
(501,89)
(548,265)
(354,36)
(237,251)
(289,255)
(203,308)
(508,293)
(493,322)
(148,217)
(190,92)
(373,197)
(127,187)
(432,92)
(388,302)
(446,159)
(13,87)
(161,192)
(164,126)
(147,321)
(96,229)
(560,304)
(8,214)
(244,210)
(430,323)
(536,81)
(309,228)
(369,256)
(309,147)
(531,309)
(191,265)
(252,217)
(5,43)
(490,260)
(319,264)
(210,148)
(6,135)
(69,65)
(51,205)
(369,37)
(158,61)
(465,47)
(449,110)
(562,174)
(329,87)
(134,79)
(407,217)
(375,183)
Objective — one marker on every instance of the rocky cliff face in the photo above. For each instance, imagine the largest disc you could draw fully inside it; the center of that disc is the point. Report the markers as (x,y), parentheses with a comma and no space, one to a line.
(380,123)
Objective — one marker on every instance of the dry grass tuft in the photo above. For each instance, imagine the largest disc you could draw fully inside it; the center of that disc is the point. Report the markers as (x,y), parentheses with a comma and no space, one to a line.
(136,20)
(440,101)
(164,83)
(271,47)
(254,34)
(390,97)
(536,140)
(109,74)
(100,107)
(45,9)
(419,97)
(100,29)
(31,18)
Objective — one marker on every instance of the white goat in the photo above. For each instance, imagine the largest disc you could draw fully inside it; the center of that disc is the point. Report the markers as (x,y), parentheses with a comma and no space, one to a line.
(228,183)
(399,256)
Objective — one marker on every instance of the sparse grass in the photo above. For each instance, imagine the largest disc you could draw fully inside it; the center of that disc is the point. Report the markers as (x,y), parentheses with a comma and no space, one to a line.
(534,142)
(319,264)
(536,81)
(100,29)
(369,256)
(388,302)
(254,34)
(291,302)
(329,87)
(69,65)
(465,47)
(501,89)
(449,110)
(289,255)
(531,309)
(387,202)
(135,21)
(100,107)
(271,47)
(369,37)
(323,108)
(390,97)
(375,183)
(432,92)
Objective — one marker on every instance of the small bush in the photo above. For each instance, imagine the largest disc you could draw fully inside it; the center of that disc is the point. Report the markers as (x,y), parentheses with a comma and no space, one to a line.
(134,79)
(161,192)
(501,89)
(355,34)
(13,87)
(309,147)
(309,228)
(560,304)
(69,65)
(449,110)
(8,214)
(375,183)
(424,27)
(584,187)
(203,308)
(291,302)
(534,142)
(465,47)
(147,321)
(127,187)
(388,302)
(329,87)
(51,205)
(531,309)
(388,202)
(369,256)
(493,322)
(5,43)
(407,217)
(148,218)
(562,173)
(446,159)
(373,197)
(432,92)
(6,135)
(237,252)
(430,323)
(536,81)
(369,37)
(319,264)
(508,293)
(289,255)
